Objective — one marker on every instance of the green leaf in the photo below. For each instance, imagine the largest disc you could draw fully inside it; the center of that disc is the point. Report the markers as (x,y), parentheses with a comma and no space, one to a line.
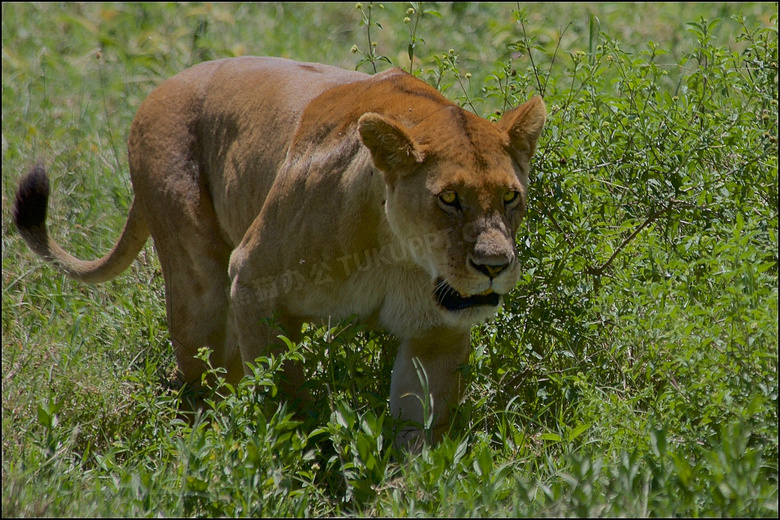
(576,432)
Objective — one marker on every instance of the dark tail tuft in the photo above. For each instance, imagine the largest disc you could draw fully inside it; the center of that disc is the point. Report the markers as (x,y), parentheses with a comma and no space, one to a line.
(32,198)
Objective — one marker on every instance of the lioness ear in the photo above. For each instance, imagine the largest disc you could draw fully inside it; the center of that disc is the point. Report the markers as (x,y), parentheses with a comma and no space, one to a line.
(524,125)
(391,146)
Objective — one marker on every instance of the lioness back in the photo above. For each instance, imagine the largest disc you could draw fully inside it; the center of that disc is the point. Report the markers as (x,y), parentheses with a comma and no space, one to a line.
(211,109)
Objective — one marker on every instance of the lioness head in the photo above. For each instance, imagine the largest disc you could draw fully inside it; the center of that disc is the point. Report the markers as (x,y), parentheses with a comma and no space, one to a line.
(455,194)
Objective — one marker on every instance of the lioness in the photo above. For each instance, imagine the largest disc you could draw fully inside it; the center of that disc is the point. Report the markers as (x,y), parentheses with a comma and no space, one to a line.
(301,191)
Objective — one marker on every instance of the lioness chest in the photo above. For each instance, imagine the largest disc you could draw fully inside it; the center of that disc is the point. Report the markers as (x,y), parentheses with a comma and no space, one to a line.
(396,298)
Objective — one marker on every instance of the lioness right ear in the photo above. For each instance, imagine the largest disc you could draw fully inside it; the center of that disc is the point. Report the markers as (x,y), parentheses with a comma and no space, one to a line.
(392,148)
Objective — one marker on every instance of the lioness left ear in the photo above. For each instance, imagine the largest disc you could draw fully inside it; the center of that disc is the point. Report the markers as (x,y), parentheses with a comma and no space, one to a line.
(524,125)
(392,148)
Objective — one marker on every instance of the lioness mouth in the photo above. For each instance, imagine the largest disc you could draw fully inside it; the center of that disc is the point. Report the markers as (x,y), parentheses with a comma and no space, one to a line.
(452,300)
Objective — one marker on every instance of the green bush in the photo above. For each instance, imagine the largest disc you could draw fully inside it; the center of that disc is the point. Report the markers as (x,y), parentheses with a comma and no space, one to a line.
(633,371)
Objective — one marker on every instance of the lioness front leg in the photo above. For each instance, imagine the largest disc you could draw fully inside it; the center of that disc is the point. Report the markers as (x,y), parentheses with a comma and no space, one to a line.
(258,328)
(440,355)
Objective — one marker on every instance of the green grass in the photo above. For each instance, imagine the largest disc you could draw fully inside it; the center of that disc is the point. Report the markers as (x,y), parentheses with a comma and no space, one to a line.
(633,371)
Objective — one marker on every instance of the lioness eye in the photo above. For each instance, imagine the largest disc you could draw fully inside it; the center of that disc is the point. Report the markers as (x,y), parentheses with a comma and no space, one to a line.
(450,198)
(510,197)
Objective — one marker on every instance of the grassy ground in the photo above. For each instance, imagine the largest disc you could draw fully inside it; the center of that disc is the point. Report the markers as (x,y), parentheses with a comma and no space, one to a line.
(633,371)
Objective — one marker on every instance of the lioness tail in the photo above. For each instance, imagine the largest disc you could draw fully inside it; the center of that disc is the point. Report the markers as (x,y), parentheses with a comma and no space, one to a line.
(32,198)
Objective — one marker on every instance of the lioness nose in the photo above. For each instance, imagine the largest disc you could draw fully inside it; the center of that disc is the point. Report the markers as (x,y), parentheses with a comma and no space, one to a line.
(491,269)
